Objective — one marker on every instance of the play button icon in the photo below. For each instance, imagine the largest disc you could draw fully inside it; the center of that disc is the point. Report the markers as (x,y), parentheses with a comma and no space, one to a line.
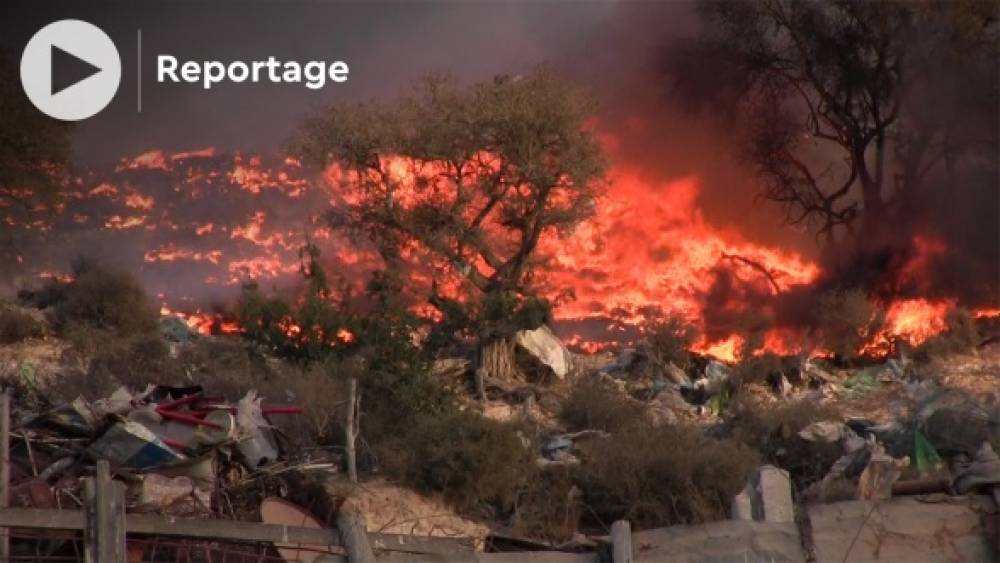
(70,70)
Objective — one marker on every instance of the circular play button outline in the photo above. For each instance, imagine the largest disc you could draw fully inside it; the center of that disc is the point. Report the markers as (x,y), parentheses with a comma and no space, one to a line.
(81,44)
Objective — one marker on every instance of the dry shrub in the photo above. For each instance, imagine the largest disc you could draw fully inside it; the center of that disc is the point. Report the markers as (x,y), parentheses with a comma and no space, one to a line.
(472,460)
(225,366)
(550,509)
(846,320)
(102,298)
(137,362)
(663,476)
(321,396)
(16,325)
(594,404)
(100,362)
(960,336)
(963,429)
(765,368)
(668,340)
(73,382)
(773,431)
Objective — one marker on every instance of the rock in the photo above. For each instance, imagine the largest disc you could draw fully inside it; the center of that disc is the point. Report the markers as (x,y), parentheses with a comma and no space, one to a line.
(902,529)
(766,498)
(174,329)
(676,375)
(451,368)
(742,507)
(814,375)
(546,348)
(667,407)
(825,431)
(622,364)
(726,541)
(177,495)
(984,470)
(499,411)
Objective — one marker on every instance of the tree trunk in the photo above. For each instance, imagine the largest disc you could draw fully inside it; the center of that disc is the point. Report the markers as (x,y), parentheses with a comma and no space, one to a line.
(352,428)
(496,359)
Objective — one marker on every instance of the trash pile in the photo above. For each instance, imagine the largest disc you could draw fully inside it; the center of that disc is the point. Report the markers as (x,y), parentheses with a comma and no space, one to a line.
(903,427)
(174,447)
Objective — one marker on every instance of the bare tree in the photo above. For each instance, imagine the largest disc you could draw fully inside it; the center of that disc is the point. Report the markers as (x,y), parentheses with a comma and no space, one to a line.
(468,179)
(831,95)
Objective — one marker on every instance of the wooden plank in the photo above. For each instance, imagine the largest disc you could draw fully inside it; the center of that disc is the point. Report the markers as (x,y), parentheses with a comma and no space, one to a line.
(354,535)
(41,518)
(421,544)
(53,519)
(4,469)
(229,530)
(90,518)
(114,520)
(104,517)
(621,542)
(506,557)
(996,525)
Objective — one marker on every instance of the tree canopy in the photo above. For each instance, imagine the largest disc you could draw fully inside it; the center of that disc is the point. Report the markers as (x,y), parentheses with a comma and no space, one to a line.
(466,179)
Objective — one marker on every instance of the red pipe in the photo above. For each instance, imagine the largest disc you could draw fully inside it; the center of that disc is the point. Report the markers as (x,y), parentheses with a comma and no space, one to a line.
(182,417)
(290,409)
(178,402)
(173,443)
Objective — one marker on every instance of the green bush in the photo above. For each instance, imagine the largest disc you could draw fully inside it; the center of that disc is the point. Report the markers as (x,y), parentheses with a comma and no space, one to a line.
(594,404)
(663,476)
(16,326)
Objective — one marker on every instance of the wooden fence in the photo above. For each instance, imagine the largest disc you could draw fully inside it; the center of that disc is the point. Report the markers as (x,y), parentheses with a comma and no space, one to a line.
(103,533)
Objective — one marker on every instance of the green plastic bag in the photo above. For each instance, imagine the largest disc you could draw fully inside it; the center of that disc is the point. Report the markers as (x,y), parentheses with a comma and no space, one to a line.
(925,457)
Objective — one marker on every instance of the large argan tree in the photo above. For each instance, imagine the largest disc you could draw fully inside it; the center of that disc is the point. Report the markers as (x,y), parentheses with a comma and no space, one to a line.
(466,179)
(849,107)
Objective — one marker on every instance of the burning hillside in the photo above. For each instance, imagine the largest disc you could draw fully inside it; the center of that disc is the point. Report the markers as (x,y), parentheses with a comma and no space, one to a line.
(195,225)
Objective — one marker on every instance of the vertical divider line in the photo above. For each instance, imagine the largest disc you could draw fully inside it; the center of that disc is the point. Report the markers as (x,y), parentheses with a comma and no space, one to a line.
(138,81)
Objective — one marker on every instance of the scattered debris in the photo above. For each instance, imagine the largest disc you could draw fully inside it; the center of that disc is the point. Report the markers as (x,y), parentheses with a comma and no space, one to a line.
(174,446)
(982,471)
(880,474)
(545,348)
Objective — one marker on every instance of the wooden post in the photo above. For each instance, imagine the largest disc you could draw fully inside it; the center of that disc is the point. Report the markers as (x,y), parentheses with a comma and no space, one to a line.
(621,542)
(354,535)
(4,470)
(104,517)
(996,525)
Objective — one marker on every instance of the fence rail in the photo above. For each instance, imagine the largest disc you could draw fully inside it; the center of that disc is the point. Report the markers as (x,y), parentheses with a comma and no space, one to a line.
(103,533)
